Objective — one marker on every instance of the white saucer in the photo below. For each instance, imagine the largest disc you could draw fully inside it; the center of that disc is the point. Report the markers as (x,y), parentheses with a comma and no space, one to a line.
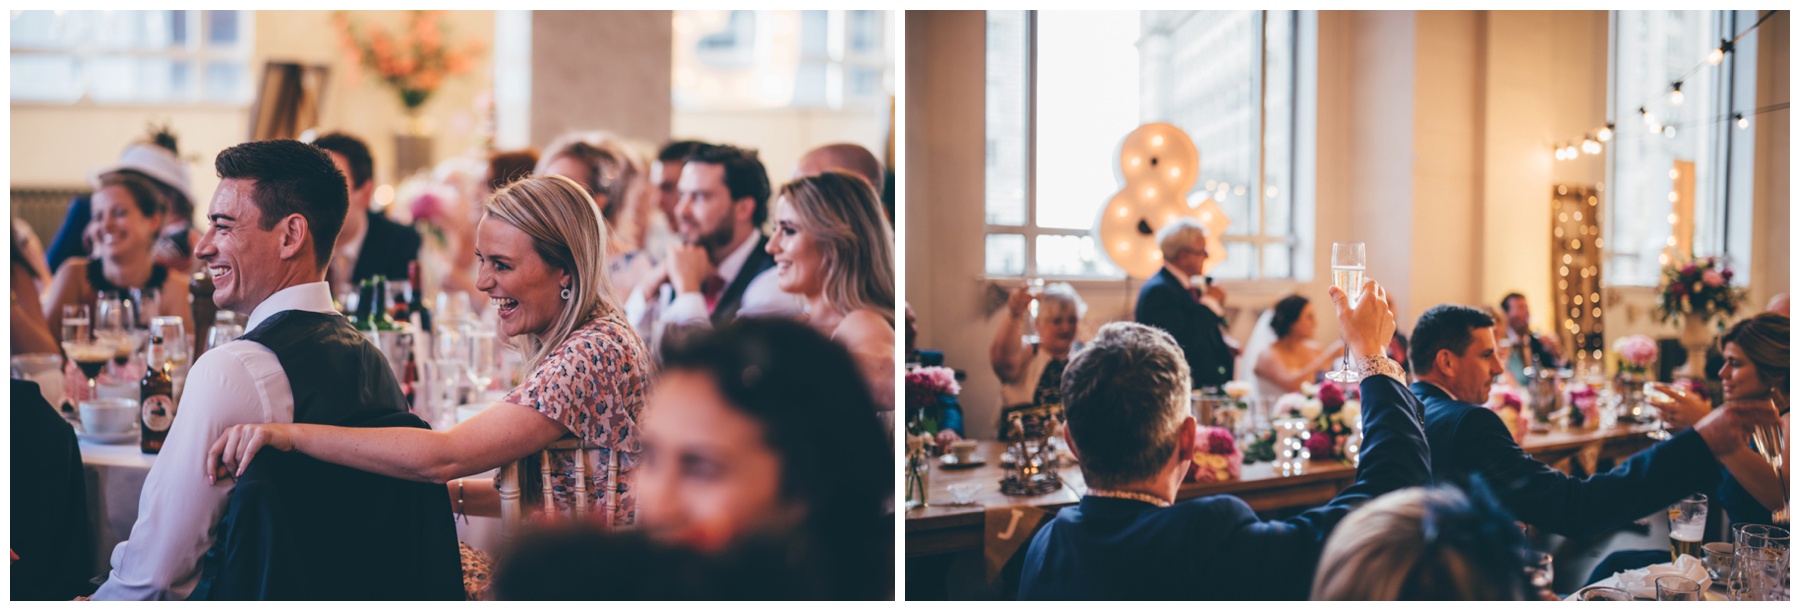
(107,438)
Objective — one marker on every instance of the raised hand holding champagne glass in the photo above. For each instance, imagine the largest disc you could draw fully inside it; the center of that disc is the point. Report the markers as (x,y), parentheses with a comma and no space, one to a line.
(1348,266)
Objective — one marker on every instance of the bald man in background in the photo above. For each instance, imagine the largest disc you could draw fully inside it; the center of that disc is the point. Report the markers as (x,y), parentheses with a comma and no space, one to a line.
(1779,304)
(850,158)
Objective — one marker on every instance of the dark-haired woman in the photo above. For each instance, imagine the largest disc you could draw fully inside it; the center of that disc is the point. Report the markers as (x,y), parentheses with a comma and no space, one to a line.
(765,429)
(1755,372)
(1282,354)
(129,214)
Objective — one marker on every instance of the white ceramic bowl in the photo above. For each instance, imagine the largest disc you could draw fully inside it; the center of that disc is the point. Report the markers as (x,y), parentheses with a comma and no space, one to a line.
(108,416)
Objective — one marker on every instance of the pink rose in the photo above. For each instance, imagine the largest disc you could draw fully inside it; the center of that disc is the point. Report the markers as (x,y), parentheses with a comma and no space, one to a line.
(1331,395)
(1712,278)
(426,207)
(1320,445)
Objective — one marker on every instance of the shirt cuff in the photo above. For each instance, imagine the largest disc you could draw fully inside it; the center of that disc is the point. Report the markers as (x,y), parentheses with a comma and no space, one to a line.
(686,308)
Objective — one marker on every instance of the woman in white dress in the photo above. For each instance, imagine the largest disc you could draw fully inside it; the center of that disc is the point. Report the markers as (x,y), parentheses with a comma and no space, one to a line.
(1282,354)
(1030,374)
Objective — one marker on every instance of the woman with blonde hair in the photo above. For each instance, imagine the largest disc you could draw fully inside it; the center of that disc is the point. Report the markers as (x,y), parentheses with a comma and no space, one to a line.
(541,250)
(833,247)
(618,179)
(1425,544)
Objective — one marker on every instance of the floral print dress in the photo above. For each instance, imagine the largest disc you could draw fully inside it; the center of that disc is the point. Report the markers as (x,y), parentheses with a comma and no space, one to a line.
(595,384)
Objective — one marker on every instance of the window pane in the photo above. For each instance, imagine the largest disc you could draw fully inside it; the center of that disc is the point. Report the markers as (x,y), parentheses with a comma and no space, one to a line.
(1278,137)
(864,29)
(1237,263)
(1087,101)
(1007,109)
(809,85)
(221,28)
(1202,73)
(1277,261)
(46,78)
(1069,255)
(815,33)
(1005,254)
(225,82)
(1654,49)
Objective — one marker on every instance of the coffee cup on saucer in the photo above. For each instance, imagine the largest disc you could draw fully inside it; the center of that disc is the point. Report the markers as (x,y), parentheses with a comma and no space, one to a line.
(964,450)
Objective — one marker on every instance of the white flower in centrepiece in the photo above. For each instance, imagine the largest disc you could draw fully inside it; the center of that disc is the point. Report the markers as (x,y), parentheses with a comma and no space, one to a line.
(1311,408)
(1237,389)
(1309,389)
(1351,414)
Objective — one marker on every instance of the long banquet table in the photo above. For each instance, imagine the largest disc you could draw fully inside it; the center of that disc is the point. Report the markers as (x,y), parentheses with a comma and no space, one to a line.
(942,528)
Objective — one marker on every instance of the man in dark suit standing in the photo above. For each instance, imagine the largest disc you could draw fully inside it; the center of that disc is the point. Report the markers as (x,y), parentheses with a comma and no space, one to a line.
(720,270)
(1126,399)
(370,245)
(1454,357)
(1530,350)
(1195,317)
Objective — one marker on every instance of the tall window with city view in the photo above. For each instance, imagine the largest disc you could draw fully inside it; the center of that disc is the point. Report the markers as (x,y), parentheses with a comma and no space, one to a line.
(1052,145)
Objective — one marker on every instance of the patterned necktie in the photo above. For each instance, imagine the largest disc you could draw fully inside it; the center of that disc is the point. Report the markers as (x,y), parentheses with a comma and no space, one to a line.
(712,288)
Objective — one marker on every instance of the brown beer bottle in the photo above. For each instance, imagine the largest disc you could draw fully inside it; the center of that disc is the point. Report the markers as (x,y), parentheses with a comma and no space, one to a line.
(157,411)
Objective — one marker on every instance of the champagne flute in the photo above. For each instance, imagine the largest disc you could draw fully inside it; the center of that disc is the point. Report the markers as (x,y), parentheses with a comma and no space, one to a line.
(1349,263)
(479,363)
(1035,288)
(1654,394)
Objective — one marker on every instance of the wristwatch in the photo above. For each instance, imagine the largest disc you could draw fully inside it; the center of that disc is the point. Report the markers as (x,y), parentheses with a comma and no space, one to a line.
(1380,365)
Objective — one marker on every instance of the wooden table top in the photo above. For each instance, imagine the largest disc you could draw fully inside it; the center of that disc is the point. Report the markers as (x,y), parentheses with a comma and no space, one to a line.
(940,526)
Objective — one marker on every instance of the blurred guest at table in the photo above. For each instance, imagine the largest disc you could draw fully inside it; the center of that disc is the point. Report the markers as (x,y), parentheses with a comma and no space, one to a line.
(1779,304)
(160,163)
(1031,373)
(1194,315)
(30,251)
(275,218)
(1755,374)
(846,157)
(665,179)
(1529,349)
(1397,350)
(764,431)
(30,333)
(541,245)
(584,563)
(1425,544)
(128,217)
(53,556)
(502,169)
(1455,361)
(833,249)
(721,270)
(1126,396)
(370,244)
(616,179)
(1281,353)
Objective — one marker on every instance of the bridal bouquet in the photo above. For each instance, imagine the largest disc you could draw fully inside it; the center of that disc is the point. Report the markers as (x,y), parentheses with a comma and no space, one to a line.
(1700,289)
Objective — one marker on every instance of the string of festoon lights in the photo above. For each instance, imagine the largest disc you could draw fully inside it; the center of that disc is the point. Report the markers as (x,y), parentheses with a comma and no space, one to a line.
(1592,143)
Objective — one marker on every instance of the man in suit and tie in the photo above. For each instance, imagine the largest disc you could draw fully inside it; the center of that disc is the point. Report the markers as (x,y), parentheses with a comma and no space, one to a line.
(1126,398)
(1454,357)
(720,270)
(1529,349)
(1195,316)
(370,245)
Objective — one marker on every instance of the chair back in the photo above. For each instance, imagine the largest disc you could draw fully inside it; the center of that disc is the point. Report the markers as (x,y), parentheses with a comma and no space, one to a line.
(512,502)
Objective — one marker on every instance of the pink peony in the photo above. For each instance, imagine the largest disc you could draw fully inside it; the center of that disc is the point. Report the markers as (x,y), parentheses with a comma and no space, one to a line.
(426,207)
(1320,445)
(1331,396)
(1712,278)
(1219,441)
(1636,351)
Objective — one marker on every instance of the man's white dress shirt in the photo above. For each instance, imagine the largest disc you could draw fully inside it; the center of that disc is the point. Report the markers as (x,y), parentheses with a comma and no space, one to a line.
(239,383)
(763,298)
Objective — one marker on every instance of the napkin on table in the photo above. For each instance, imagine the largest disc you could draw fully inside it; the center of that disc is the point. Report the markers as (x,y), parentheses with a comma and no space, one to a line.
(1642,582)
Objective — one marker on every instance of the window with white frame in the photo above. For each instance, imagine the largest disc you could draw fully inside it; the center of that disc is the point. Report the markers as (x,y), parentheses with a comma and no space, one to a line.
(131,57)
(747,60)
(1063,90)
(1658,136)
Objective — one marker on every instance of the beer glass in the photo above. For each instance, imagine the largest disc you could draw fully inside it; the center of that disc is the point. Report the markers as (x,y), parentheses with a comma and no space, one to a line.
(1687,527)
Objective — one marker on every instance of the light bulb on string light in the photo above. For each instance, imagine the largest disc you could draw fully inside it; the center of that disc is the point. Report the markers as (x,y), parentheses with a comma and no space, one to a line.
(1743,122)
(1655,128)
(1590,147)
(1675,96)
(1605,134)
(1716,56)
(1649,119)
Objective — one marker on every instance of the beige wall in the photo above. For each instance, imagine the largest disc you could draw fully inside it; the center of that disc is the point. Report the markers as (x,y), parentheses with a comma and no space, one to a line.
(600,70)
(1433,139)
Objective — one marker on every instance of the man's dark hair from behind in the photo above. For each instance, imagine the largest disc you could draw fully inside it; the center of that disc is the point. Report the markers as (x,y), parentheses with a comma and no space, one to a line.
(291,177)
(679,150)
(1506,302)
(1124,397)
(745,175)
(1445,327)
(362,166)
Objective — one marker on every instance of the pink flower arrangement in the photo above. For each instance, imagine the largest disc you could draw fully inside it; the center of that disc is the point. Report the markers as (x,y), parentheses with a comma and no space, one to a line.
(426,207)
(1701,287)
(1510,406)
(1587,401)
(1321,445)
(1216,457)
(1331,396)
(1636,353)
(925,384)
(414,61)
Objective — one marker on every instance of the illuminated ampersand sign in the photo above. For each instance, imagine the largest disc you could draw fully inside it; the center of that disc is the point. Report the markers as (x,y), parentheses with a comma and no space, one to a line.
(1158,165)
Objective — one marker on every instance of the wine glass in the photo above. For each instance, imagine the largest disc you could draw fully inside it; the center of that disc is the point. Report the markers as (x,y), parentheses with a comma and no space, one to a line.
(1349,262)
(1036,288)
(1654,394)
(110,327)
(479,358)
(176,349)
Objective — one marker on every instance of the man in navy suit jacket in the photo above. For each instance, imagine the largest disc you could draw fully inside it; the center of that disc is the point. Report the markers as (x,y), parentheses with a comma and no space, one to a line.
(1193,317)
(370,244)
(1125,397)
(1454,357)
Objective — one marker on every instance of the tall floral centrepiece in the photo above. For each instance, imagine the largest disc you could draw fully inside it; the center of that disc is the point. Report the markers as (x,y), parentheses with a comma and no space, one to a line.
(1692,294)
(415,61)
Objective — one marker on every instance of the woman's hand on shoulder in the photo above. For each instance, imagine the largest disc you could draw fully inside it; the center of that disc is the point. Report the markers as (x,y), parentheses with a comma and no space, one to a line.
(231,453)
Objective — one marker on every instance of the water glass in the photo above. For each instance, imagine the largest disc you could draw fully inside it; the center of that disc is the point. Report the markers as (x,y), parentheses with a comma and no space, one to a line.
(1760,574)
(1603,593)
(1676,587)
(1718,561)
(175,339)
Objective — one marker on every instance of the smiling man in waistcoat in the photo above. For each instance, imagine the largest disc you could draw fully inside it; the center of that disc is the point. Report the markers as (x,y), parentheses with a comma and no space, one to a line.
(275,217)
